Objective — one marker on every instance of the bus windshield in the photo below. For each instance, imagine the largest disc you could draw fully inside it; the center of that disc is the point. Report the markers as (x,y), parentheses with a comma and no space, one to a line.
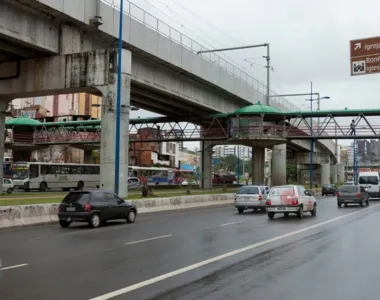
(20,171)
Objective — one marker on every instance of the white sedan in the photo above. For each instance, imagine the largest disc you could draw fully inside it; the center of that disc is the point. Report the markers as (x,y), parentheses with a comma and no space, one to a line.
(8,186)
(287,199)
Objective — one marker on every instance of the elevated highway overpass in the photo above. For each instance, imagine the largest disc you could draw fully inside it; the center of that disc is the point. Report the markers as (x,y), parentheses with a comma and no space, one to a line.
(161,70)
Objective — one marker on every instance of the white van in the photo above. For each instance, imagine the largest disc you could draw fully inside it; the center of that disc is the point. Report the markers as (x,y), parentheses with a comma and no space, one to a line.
(370,181)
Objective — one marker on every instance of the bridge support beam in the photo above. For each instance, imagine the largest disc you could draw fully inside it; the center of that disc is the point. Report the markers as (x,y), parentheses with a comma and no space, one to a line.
(325,174)
(340,173)
(278,172)
(334,173)
(258,165)
(206,165)
(108,136)
(3,107)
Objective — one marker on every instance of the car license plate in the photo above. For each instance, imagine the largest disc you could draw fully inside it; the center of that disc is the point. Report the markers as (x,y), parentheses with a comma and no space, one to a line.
(281,207)
(70,209)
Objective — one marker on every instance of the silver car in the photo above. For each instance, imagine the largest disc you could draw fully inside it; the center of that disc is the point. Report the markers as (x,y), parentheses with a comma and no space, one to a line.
(251,197)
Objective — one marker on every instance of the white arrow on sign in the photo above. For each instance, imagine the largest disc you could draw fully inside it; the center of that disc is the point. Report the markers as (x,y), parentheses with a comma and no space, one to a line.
(358,46)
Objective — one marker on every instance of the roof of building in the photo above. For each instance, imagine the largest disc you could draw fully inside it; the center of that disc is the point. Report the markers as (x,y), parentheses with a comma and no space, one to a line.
(257,109)
(22,121)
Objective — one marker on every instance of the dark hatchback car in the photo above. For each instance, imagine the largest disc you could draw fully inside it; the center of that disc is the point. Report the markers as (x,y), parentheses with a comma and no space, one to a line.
(328,189)
(352,194)
(95,207)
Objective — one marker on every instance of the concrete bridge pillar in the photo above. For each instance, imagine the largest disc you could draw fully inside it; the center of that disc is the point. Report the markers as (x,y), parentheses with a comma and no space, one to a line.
(333,174)
(258,165)
(108,136)
(325,174)
(3,108)
(278,165)
(340,173)
(91,72)
(206,165)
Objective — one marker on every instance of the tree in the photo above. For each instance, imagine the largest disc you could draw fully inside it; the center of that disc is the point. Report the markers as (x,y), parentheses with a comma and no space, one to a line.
(291,173)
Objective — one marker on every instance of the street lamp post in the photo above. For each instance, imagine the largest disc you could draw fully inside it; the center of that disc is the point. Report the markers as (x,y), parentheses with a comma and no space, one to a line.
(246,47)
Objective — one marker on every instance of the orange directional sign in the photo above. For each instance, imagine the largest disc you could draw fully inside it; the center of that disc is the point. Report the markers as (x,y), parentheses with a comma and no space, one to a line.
(365,56)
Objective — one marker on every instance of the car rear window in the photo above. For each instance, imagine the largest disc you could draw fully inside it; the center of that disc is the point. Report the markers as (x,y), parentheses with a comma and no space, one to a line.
(249,190)
(283,190)
(80,198)
(327,185)
(349,189)
(368,180)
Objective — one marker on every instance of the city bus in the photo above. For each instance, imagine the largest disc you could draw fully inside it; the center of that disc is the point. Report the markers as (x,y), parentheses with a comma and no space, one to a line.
(152,175)
(43,176)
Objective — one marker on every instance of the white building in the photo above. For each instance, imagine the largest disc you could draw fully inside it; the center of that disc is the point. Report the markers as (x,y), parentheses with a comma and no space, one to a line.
(244,152)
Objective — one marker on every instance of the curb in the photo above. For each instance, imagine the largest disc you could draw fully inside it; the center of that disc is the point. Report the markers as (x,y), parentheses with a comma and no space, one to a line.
(38,214)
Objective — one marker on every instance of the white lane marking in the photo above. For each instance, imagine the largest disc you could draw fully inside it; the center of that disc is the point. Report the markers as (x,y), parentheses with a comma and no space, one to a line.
(217,258)
(13,267)
(232,223)
(151,239)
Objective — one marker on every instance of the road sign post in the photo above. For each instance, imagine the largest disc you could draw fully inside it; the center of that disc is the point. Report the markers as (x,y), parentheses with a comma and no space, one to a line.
(365,56)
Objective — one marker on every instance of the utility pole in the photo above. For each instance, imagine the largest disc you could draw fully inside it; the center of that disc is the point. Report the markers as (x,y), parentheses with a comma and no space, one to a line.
(247,47)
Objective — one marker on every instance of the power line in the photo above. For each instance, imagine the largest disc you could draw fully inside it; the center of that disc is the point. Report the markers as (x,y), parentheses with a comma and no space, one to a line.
(192,33)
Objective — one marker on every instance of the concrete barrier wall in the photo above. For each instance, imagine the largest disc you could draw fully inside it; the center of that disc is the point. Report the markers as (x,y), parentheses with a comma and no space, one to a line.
(24,215)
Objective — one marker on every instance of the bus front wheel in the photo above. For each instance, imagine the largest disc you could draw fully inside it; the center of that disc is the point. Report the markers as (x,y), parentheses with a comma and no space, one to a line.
(43,187)
(80,185)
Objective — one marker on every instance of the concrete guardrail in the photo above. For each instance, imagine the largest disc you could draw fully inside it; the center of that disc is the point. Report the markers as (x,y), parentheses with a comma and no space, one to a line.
(26,215)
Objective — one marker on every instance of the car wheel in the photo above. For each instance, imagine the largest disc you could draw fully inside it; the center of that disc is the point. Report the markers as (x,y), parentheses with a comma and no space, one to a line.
(271,215)
(64,224)
(131,216)
(300,212)
(9,191)
(95,220)
(240,210)
(314,211)
(323,194)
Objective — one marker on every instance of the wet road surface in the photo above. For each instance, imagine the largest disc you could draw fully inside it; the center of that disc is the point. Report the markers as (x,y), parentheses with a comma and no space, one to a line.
(204,253)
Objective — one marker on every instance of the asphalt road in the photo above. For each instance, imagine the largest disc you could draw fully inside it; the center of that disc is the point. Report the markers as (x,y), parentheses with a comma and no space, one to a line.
(204,253)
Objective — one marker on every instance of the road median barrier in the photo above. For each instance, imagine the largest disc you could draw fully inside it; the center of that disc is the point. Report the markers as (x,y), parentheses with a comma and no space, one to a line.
(33,214)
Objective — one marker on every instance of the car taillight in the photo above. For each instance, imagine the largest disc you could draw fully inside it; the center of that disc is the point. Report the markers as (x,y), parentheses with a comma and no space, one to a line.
(358,195)
(338,194)
(260,197)
(87,207)
(268,202)
(295,201)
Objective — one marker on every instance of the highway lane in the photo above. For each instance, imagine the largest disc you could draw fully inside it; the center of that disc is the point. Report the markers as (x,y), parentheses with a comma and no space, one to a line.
(80,263)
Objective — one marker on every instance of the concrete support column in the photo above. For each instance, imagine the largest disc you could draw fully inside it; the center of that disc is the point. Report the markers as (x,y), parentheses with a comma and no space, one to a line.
(206,165)
(108,125)
(3,108)
(87,157)
(278,173)
(340,173)
(258,165)
(325,174)
(333,174)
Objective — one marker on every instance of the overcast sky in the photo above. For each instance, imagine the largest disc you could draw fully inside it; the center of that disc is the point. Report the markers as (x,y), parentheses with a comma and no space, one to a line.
(309,42)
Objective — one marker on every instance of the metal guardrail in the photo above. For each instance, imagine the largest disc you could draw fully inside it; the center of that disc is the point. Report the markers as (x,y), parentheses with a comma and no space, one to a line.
(174,35)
